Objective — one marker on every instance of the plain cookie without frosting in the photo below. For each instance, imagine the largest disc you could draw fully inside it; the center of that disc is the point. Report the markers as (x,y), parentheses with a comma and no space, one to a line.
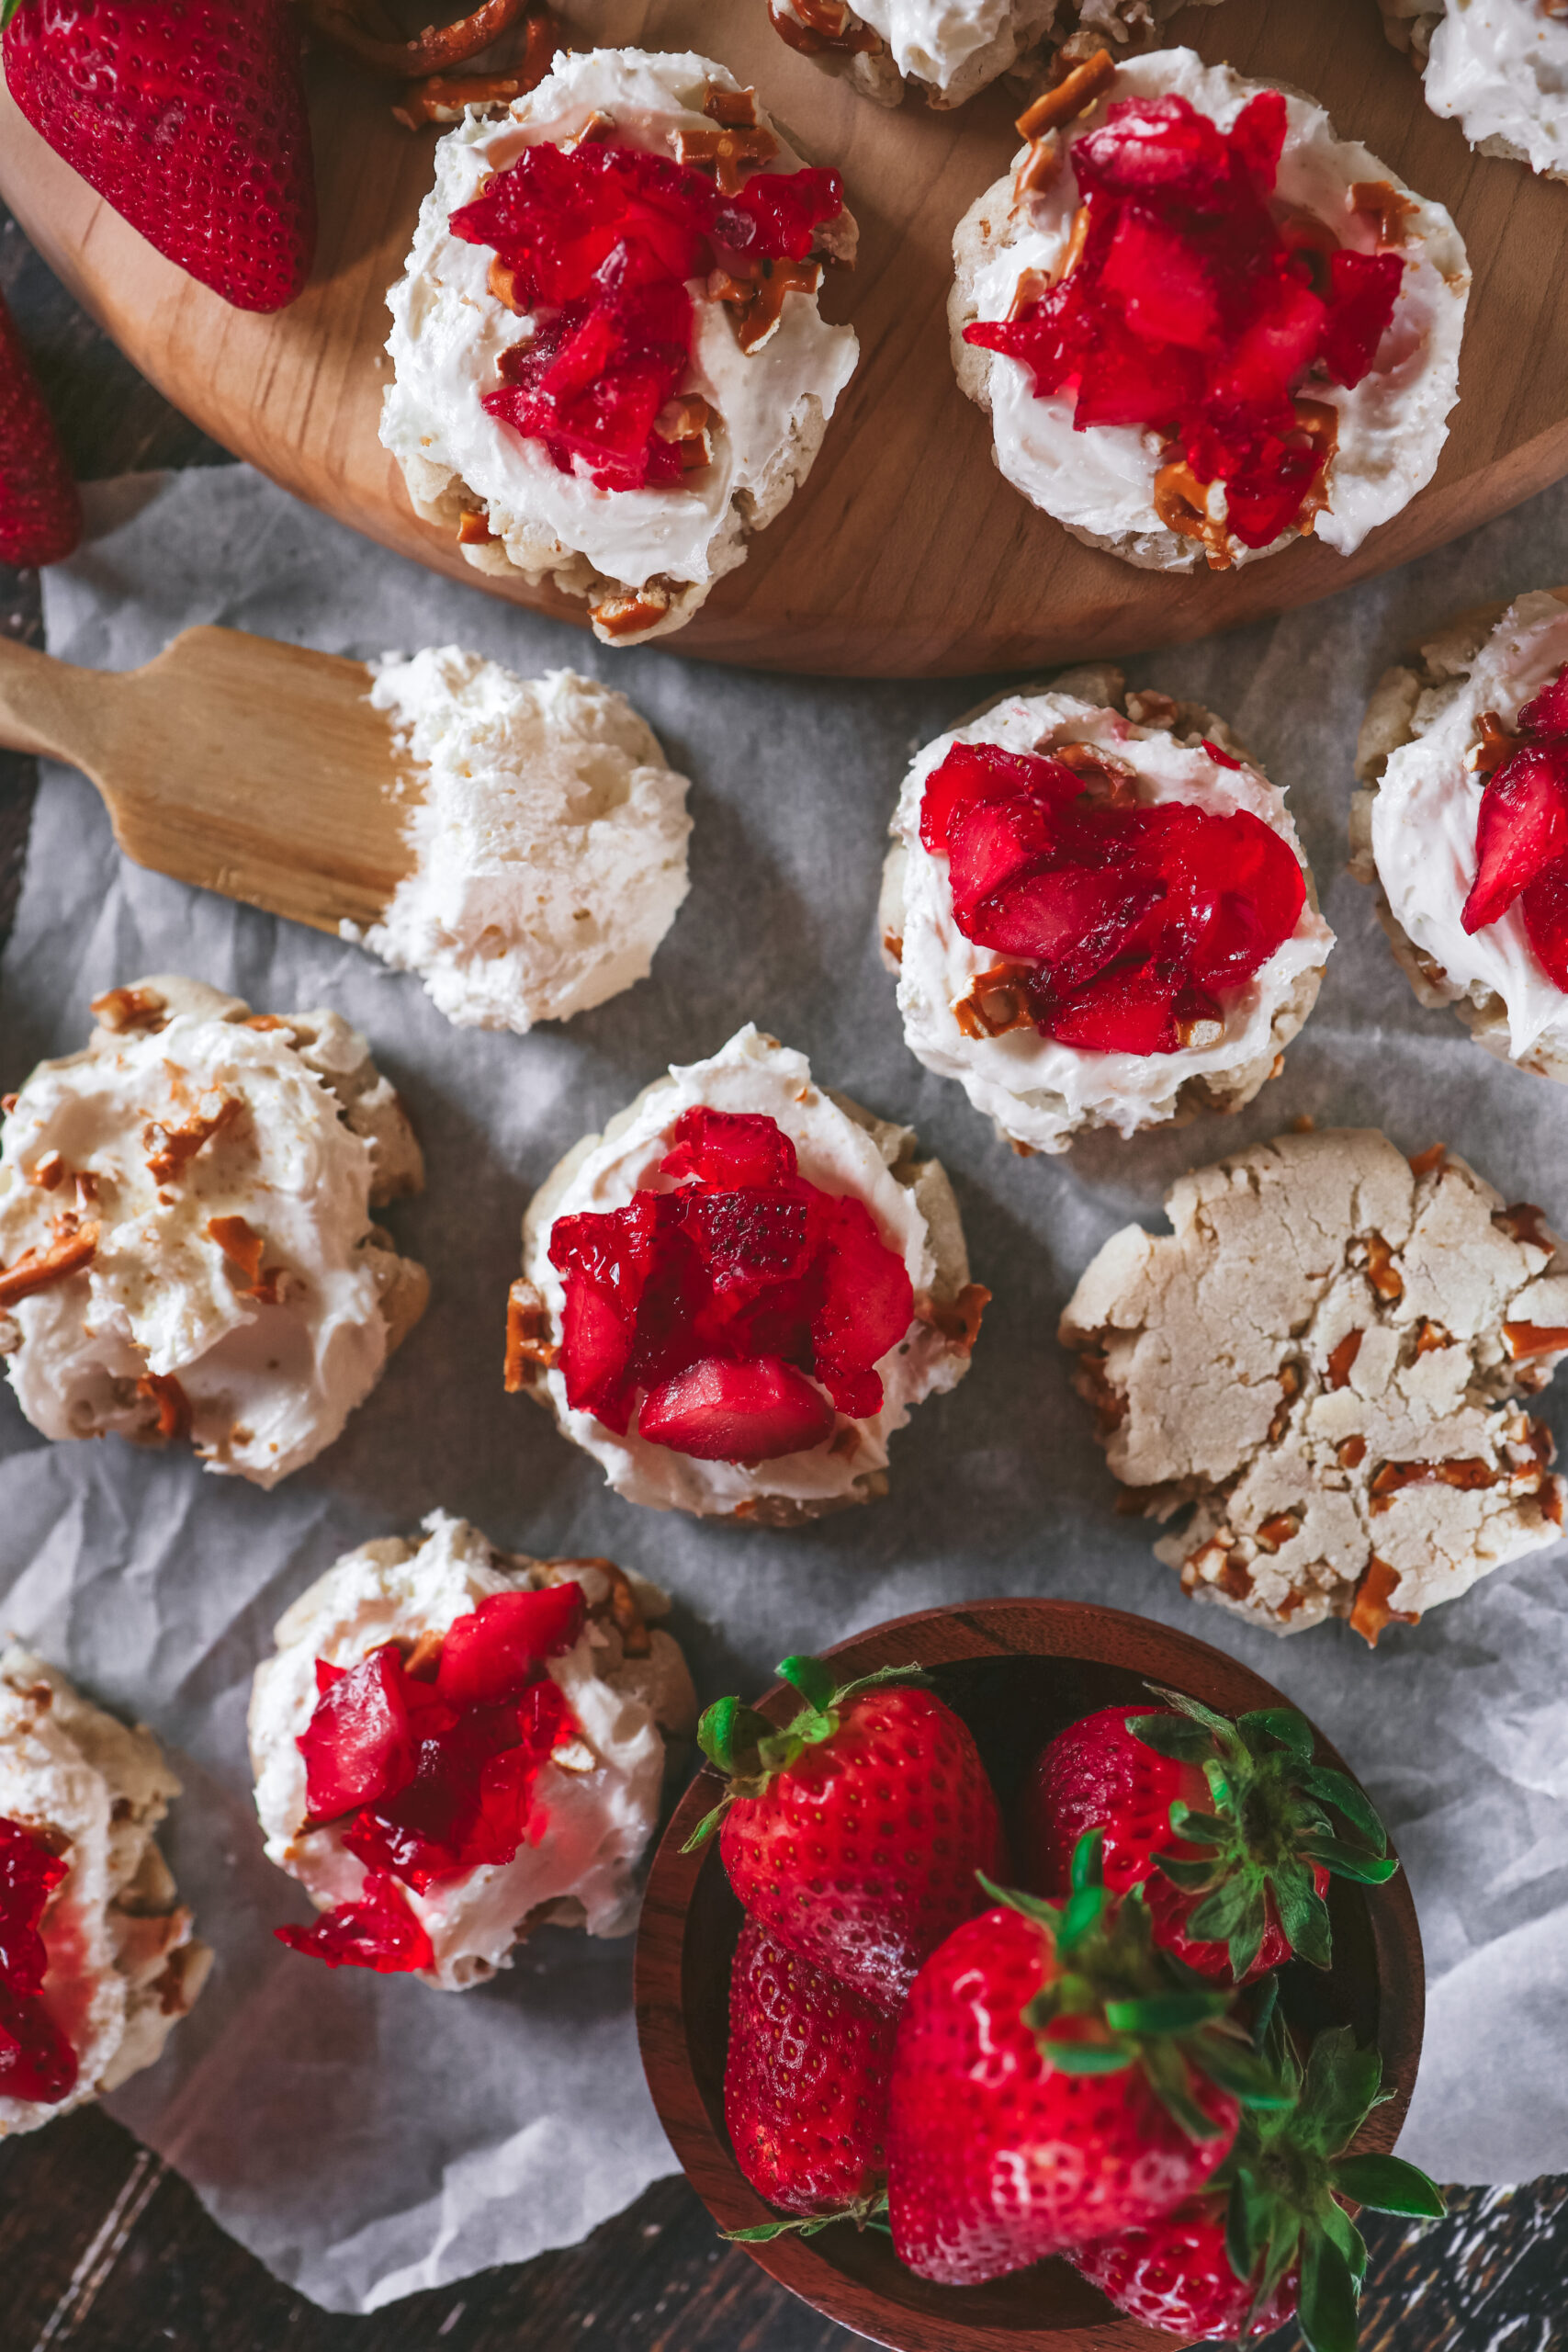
(1323,1361)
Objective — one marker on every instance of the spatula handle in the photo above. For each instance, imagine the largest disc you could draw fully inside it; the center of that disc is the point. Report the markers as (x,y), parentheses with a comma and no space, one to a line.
(47,706)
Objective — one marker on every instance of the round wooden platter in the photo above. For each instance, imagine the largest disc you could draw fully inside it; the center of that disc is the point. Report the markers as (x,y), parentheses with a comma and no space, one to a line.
(1018,1672)
(905,553)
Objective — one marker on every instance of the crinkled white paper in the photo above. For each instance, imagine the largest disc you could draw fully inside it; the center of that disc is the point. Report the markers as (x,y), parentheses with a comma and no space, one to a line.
(366,2137)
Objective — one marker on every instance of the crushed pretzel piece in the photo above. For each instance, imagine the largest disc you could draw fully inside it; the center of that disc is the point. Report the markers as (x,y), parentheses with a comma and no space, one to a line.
(1383,202)
(620,1605)
(756,293)
(1319,420)
(1278,1530)
(529,1350)
(633,610)
(1469,1473)
(174,1406)
(1074,250)
(442,99)
(1423,1162)
(997,1002)
(1381,1273)
(735,109)
(1032,284)
(1521,1339)
(473,529)
(169,1148)
(1038,169)
(957,1319)
(728,153)
(1090,1381)
(1371,1615)
(685,422)
(243,1246)
(502,282)
(430,52)
(48,1174)
(1342,1359)
(1181,503)
(1073,96)
(1431,1337)
(119,1009)
(1146,707)
(1351,1452)
(809,27)
(1290,1377)
(75,1246)
(1522,1221)
(1496,744)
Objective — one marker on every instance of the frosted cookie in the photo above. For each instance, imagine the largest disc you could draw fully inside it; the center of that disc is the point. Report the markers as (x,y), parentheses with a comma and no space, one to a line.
(454,1745)
(1499,68)
(736,1294)
(611,368)
(97,1961)
(1200,323)
(1099,913)
(550,841)
(185,1243)
(1463,825)
(945,51)
(1322,1362)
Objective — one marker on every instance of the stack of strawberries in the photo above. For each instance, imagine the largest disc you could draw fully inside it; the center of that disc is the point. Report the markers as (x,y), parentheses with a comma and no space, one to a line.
(1094,2067)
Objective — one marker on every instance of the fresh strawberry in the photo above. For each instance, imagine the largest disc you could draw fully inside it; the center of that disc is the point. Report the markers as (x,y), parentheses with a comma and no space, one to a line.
(854,1833)
(805,2082)
(1271,2231)
(1056,2082)
(1226,1825)
(41,514)
(189,117)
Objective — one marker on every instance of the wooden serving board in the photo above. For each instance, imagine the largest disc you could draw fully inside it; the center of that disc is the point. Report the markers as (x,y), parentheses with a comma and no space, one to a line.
(905,553)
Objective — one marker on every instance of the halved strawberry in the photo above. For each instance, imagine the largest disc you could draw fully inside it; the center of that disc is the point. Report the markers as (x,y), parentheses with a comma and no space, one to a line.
(597,1340)
(358,1745)
(867,1304)
(718,1411)
(1072,919)
(972,772)
(495,1651)
(1522,827)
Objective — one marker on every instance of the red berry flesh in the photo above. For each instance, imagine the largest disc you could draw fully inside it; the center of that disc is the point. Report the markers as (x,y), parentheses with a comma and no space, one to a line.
(496,1651)
(37,2060)
(600,241)
(41,514)
(860,1855)
(805,2080)
(1123,919)
(1193,313)
(1522,828)
(722,1310)
(360,1744)
(378,1932)
(996,2158)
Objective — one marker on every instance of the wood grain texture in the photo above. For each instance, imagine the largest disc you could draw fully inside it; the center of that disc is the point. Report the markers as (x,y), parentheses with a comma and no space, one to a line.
(905,553)
(1018,1672)
(234,763)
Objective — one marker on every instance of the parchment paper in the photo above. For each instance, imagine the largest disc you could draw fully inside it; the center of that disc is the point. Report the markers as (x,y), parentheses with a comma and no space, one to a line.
(366,2137)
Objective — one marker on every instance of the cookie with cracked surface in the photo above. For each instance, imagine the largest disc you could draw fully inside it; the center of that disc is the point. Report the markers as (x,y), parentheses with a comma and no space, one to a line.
(1324,1363)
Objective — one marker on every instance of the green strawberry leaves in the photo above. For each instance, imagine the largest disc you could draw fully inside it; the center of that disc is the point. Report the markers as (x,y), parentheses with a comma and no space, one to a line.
(747,1748)
(7,11)
(868,2212)
(1389,2185)
(1275,1815)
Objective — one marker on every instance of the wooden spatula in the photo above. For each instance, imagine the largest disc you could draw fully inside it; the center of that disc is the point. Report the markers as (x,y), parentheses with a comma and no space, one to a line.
(236,763)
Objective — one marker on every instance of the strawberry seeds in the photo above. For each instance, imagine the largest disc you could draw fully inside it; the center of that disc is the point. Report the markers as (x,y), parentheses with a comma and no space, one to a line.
(1124,926)
(600,242)
(1521,833)
(721,1310)
(1189,310)
(427,1767)
(37,2060)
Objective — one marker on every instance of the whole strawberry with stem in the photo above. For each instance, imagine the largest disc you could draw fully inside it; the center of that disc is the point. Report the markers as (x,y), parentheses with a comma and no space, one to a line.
(853,1834)
(188,118)
(1057,2080)
(41,514)
(805,2084)
(1269,2236)
(1231,1828)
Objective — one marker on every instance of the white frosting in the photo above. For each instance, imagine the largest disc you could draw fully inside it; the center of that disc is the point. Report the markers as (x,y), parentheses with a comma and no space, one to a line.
(550,840)
(448,333)
(1500,68)
(587,1827)
(1037,1091)
(1391,424)
(752,1073)
(268,1385)
(121,1963)
(1424,820)
(934,41)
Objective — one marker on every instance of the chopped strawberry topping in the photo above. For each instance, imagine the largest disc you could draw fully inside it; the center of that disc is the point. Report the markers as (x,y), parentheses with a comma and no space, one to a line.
(432,1778)
(601,243)
(1127,921)
(37,2060)
(1191,311)
(1521,833)
(719,1302)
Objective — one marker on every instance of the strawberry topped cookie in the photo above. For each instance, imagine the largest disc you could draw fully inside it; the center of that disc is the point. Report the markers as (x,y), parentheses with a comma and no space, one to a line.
(735,1296)
(1463,825)
(454,1745)
(945,51)
(1099,913)
(187,1234)
(611,368)
(97,1961)
(1323,1364)
(1202,325)
(1499,68)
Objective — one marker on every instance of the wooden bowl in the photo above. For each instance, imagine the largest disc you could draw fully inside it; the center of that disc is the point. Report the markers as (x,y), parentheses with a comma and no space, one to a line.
(1017,1671)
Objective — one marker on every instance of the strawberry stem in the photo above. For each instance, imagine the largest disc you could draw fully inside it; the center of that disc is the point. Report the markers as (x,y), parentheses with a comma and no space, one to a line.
(744,1745)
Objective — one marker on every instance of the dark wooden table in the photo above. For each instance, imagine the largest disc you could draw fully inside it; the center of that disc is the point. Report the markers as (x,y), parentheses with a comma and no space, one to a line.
(103,2248)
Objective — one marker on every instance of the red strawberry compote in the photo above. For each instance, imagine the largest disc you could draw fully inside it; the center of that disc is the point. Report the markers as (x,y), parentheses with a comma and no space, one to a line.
(611,367)
(735,1296)
(452,1744)
(1097,919)
(97,1958)
(1203,325)
(1468,831)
